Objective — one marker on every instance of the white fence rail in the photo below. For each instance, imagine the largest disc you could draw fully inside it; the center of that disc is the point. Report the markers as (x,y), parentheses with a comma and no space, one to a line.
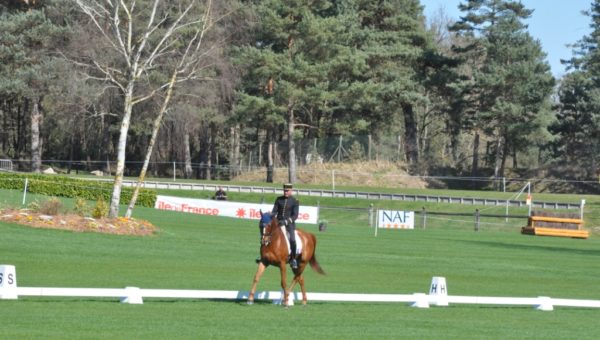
(136,295)
(361,195)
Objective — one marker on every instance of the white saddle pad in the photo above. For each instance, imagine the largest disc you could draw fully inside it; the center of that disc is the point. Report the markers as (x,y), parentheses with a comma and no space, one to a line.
(298,241)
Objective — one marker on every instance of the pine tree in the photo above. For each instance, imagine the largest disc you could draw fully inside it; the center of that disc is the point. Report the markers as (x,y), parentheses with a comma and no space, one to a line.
(577,126)
(511,80)
(28,39)
(294,71)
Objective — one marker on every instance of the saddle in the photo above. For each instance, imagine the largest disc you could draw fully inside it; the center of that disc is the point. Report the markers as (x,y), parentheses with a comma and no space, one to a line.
(287,241)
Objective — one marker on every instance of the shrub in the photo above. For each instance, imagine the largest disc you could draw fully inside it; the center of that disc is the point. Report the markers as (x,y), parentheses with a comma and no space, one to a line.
(34,206)
(81,207)
(101,209)
(60,186)
(51,206)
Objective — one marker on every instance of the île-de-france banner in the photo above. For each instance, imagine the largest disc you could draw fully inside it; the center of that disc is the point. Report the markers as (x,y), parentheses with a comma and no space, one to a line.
(390,219)
(306,214)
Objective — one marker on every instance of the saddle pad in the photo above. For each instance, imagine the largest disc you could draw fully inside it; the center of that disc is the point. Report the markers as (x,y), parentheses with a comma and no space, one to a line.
(298,241)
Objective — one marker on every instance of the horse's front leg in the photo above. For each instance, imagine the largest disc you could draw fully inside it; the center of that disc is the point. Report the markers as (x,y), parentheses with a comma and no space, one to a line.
(282,271)
(259,271)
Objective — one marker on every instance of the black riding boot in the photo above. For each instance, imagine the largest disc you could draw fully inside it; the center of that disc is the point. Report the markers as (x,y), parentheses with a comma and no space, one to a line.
(293,255)
(257,260)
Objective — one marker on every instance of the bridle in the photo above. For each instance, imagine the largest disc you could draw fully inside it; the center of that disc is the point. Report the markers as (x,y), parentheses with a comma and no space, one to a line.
(266,238)
(267,233)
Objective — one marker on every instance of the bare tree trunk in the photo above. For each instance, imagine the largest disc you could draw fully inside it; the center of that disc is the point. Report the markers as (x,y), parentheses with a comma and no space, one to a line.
(113,210)
(209,154)
(498,157)
(232,160)
(187,154)
(155,129)
(236,150)
(399,148)
(475,164)
(515,165)
(260,143)
(36,149)
(291,145)
(369,148)
(72,145)
(270,162)
(410,134)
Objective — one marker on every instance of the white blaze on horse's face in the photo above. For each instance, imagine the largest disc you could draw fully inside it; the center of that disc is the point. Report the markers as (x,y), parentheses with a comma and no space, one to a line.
(266,237)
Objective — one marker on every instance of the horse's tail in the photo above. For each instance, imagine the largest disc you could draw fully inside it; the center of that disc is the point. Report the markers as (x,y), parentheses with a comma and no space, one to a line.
(314,264)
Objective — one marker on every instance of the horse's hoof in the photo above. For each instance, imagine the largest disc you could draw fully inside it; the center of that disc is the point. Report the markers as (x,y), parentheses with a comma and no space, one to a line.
(249,302)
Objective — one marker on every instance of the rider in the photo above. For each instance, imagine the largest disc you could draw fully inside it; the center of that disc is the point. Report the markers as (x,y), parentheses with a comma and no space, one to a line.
(286,208)
(221,195)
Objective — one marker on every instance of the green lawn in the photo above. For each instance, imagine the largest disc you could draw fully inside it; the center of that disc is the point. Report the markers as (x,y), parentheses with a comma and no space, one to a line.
(200,252)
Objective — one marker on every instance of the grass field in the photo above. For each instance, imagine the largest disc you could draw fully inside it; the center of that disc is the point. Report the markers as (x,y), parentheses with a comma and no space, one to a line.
(200,252)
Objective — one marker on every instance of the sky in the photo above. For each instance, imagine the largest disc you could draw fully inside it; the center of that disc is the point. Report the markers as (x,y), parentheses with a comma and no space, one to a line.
(555,23)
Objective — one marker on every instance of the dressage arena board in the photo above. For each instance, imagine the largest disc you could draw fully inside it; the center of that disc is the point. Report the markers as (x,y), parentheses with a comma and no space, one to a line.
(135,295)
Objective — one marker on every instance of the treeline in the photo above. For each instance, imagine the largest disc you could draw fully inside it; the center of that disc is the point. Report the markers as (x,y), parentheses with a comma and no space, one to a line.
(279,83)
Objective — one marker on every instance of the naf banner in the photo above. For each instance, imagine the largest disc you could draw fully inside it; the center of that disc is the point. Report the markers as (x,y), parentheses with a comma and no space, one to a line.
(392,219)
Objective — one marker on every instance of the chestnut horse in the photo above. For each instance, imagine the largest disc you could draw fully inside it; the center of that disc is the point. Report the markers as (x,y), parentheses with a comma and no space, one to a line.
(274,251)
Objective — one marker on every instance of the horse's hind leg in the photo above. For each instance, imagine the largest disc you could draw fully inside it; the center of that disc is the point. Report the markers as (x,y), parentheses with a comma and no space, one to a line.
(259,271)
(301,280)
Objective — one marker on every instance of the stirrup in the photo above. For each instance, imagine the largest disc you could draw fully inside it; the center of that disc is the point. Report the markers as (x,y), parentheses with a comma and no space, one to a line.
(294,263)
(257,260)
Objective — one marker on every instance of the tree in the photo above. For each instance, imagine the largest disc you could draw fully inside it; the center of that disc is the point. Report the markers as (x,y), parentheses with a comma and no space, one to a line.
(577,125)
(510,76)
(338,68)
(289,83)
(28,41)
(397,48)
(138,37)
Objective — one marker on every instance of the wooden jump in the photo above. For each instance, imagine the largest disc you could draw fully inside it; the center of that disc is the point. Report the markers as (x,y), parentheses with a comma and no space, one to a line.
(555,226)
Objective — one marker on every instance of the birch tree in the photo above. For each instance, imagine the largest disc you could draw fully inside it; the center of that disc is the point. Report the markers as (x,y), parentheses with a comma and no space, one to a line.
(143,35)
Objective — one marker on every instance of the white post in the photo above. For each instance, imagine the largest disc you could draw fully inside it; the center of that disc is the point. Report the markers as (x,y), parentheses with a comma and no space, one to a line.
(133,296)
(376,222)
(503,184)
(333,180)
(529,195)
(25,191)
(581,209)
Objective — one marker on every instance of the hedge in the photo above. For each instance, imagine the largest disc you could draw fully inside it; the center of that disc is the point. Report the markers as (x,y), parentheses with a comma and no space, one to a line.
(61,186)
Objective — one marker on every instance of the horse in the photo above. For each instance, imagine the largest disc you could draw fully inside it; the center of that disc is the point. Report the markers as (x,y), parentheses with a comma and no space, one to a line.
(274,251)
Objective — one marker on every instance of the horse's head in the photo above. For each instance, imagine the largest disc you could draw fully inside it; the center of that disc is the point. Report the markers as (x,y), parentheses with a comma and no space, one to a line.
(266,225)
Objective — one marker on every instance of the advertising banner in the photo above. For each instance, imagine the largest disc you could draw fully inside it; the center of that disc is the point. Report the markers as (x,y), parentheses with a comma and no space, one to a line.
(307,214)
(390,219)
